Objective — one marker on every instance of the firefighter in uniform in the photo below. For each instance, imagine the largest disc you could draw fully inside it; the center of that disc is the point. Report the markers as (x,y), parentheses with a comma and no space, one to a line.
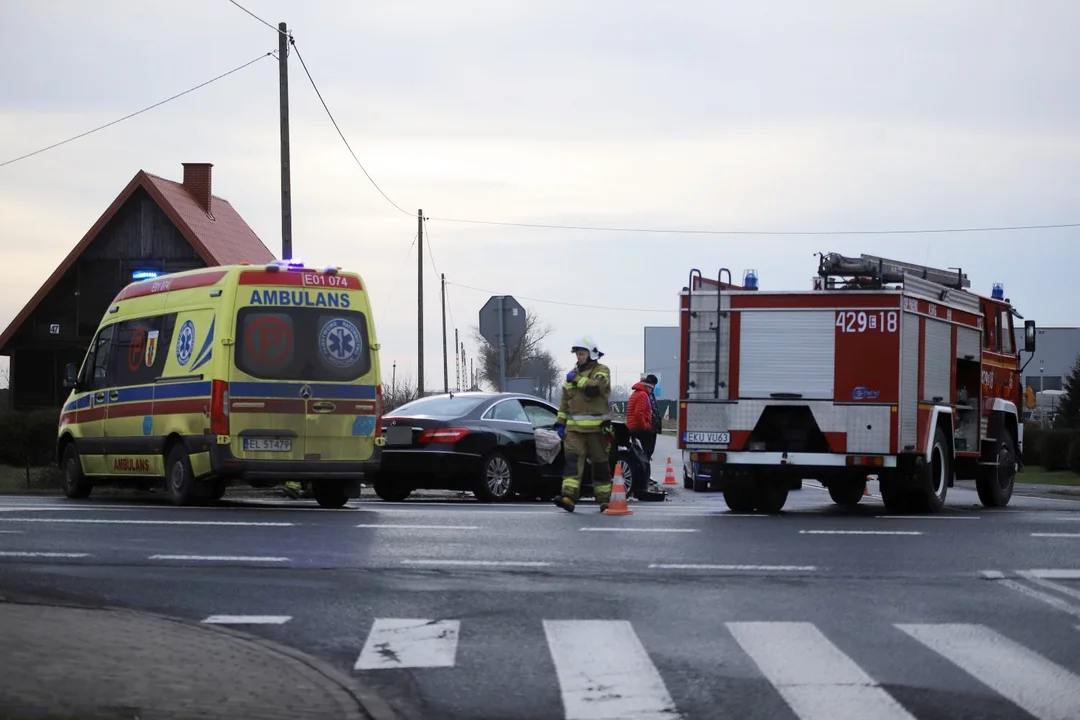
(585,427)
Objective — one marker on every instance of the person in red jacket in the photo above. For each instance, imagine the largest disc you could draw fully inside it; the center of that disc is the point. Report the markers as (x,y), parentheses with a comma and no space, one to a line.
(640,414)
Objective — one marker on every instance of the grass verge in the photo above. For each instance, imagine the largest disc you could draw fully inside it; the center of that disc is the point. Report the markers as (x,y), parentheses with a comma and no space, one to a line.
(1036,475)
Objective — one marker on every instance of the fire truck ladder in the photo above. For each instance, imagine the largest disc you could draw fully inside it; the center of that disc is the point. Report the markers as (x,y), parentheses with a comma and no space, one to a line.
(872,272)
(714,329)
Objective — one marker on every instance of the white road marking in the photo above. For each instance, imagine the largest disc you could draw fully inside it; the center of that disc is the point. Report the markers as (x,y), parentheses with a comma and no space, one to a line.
(1056,535)
(927,517)
(1051,600)
(402,526)
(633,529)
(12,532)
(247,619)
(406,643)
(479,563)
(860,532)
(993,574)
(1050,585)
(98,521)
(221,558)
(814,676)
(605,672)
(1042,688)
(1055,574)
(691,566)
(11,553)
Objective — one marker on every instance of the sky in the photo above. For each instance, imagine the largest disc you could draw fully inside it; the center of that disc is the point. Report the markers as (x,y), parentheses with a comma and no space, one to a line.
(779,117)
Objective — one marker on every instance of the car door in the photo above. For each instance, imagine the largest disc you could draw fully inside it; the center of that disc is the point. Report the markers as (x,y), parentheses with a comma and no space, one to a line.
(544,416)
(509,418)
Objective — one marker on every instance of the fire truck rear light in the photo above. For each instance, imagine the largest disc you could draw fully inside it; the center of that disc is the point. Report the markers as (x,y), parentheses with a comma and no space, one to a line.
(708,457)
(756,446)
(872,460)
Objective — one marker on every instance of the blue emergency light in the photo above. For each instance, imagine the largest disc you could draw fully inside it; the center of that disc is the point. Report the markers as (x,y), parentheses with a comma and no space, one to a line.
(144,274)
(750,280)
(998,292)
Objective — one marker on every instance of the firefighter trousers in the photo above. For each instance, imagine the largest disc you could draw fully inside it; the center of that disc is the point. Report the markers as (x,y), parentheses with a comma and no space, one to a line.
(582,446)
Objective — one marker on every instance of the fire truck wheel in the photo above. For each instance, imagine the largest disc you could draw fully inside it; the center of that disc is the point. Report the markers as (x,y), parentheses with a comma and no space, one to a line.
(847,494)
(770,497)
(995,484)
(740,500)
(934,477)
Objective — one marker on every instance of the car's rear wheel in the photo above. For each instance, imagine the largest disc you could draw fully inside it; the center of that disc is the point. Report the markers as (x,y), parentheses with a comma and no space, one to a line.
(330,494)
(390,491)
(496,481)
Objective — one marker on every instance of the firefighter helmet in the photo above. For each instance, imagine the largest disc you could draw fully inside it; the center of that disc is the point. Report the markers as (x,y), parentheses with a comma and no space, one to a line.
(587,344)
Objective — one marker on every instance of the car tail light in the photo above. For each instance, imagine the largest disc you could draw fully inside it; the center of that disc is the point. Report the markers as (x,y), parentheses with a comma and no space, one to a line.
(219,407)
(378,410)
(443,435)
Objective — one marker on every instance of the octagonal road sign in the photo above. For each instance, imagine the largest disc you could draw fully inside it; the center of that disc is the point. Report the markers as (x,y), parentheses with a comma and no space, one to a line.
(513,316)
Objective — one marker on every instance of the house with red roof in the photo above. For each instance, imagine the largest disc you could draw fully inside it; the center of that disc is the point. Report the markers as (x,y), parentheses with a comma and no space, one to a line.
(155,225)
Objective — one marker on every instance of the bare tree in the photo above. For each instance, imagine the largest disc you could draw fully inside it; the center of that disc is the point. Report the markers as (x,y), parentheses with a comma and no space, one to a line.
(529,349)
(401,391)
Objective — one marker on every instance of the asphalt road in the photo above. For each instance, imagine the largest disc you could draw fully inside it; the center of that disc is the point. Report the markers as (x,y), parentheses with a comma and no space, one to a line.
(455,609)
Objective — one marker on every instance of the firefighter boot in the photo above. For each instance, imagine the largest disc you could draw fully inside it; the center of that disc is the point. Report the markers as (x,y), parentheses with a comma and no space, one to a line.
(564,502)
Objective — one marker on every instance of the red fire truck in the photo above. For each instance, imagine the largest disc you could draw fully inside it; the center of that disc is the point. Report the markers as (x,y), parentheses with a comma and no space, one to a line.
(882,368)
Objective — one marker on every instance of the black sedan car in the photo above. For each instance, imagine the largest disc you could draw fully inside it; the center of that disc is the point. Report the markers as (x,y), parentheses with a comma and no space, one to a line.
(485,443)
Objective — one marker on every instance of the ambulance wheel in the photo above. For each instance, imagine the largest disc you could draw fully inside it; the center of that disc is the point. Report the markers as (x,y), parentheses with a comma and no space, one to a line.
(995,484)
(389,490)
(770,497)
(330,494)
(496,481)
(211,490)
(933,478)
(76,485)
(179,479)
(847,493)
(740,500)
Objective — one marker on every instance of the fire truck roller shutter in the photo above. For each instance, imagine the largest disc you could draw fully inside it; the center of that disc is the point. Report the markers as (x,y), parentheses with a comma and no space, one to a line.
(787,351)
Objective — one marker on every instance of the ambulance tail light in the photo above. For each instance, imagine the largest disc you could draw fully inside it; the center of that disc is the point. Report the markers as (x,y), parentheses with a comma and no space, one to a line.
(378,410)
(219,408)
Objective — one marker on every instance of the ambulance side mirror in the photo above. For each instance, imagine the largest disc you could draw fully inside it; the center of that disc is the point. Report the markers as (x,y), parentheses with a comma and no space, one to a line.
(71,377)
(1029,336)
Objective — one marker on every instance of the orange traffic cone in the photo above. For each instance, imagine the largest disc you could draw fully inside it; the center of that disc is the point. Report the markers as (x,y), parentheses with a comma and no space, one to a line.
(669,474)
(618,504)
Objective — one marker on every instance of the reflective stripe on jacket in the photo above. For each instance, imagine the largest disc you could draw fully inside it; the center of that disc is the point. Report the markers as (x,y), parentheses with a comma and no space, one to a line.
(585,401)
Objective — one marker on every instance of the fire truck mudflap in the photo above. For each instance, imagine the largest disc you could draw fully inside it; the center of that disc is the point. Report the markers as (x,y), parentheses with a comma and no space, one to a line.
(886,375)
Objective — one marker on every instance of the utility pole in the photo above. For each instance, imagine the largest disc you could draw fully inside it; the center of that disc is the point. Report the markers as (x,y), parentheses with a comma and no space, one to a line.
(420,302)
(457,361)
(445,364)
(286,182)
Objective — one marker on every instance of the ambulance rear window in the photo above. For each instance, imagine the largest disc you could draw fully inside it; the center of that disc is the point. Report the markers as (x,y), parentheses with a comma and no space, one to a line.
(296,343)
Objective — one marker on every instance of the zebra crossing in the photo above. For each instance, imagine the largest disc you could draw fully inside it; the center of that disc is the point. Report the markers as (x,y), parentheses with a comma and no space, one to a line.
(603,668)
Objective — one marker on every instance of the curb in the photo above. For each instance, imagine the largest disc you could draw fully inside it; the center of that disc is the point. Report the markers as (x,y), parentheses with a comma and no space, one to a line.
(370,705)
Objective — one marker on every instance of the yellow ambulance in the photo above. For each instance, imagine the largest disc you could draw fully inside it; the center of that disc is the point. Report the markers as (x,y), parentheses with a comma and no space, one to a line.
(238,374)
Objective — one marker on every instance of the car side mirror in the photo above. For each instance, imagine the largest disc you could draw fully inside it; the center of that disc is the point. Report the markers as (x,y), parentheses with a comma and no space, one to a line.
(1029,336)
(71,377)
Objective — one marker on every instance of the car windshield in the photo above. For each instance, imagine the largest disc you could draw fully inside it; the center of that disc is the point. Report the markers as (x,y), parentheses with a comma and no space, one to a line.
(442,406)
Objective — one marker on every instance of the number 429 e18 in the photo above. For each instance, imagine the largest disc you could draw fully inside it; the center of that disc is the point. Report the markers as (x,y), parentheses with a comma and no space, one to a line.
(860,321)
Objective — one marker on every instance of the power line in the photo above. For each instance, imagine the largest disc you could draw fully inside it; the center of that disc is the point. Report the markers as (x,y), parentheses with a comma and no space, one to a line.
(140,112)
(427,234)
(331,116)
(663,231)
(255,16)
(568,304)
